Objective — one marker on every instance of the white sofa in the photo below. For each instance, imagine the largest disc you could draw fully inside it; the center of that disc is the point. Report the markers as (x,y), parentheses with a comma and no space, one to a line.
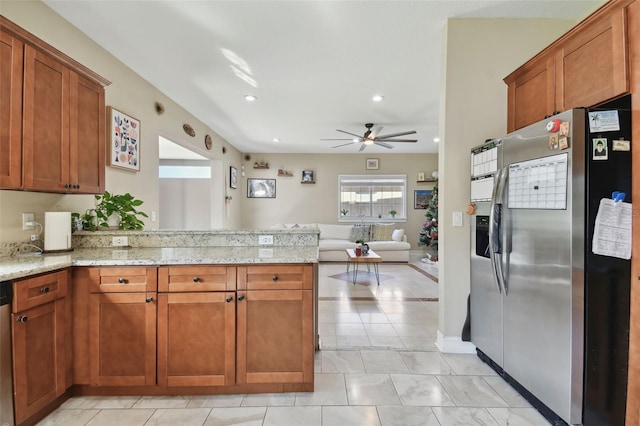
(386,240)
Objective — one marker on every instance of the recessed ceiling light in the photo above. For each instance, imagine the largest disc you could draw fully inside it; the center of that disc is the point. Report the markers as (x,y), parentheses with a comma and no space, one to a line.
(378,98)
(436,140)
(276,139)
(355,140)
(250,98)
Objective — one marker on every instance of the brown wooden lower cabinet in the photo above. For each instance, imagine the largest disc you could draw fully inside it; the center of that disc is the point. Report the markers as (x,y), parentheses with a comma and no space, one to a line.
(122,339)
(275,336)
(38,357)
(196,339)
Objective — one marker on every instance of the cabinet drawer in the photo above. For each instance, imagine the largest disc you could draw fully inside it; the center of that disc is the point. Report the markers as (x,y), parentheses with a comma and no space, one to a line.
(275,277)
(36,291)
(196,278)
(125,280)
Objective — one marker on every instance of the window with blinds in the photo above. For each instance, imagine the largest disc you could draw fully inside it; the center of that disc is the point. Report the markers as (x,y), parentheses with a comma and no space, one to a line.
(372,197)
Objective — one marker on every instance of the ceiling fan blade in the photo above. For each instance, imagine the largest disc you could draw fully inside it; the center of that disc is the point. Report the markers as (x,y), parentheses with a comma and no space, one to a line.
(349,133)
(393,135)
(364,145)
(386,145)
(375,132)
(344,144)
(396,140)
(351,139)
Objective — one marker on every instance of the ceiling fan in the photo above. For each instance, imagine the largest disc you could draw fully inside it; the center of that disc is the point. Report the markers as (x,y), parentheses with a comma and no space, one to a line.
(371,137)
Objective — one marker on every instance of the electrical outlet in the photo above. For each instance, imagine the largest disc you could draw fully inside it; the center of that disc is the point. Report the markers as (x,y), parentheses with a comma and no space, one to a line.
(265,239)
(34,237)
(120,241)
(27,221)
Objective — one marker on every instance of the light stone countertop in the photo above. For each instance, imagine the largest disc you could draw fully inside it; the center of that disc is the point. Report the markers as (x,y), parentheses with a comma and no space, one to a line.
(22,265)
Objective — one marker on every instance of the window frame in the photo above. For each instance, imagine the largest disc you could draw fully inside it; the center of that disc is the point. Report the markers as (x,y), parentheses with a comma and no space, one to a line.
(374,181)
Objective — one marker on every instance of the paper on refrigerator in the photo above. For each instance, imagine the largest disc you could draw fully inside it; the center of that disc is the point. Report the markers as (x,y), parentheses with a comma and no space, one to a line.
(612,231)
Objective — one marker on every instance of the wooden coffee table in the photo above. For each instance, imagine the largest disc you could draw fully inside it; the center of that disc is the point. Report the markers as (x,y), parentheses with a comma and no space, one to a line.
(368,259)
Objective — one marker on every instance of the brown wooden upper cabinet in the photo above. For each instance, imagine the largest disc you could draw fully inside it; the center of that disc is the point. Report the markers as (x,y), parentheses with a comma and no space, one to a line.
(583,68)
(53,117)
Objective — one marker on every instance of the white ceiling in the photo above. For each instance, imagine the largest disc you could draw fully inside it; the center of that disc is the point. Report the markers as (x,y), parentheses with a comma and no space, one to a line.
(314,65)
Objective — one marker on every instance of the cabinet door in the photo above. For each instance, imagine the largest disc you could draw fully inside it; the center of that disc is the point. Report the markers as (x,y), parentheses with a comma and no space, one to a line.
(196,339)
(531,93)
(591,66)
(45,123)
(275,336)
(38,357)
(122,340)
(11,73)
(86,135)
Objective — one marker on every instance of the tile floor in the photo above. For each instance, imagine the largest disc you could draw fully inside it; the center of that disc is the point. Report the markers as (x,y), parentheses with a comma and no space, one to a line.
(378,366)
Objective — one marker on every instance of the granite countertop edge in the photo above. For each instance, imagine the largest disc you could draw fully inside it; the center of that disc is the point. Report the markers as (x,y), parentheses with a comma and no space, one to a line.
(21,266)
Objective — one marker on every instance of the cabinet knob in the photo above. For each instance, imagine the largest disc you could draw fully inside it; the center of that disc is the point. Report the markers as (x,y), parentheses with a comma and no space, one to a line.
(44,290)
(229,299)
(148,299)
(241,297)
(22,318)
(196,279)
(275,278)
(122,280)
(76,186)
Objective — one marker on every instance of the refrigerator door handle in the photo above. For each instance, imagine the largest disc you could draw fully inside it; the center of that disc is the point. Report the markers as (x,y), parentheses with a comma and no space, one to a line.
(495,230)
(494,243)
(501,229)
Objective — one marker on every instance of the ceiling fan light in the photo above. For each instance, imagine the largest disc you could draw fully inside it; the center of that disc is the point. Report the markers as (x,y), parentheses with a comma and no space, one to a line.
(368,142)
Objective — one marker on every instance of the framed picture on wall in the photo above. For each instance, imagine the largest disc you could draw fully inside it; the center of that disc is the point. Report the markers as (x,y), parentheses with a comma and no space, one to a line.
(261,188)
(124,140)
(373,163)
(307,176)
(233,177)
(421,198)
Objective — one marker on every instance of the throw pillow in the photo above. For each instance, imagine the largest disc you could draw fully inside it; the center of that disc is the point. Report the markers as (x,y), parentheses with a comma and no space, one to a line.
(360,232)
(334,232)
(382,232)
(397,235)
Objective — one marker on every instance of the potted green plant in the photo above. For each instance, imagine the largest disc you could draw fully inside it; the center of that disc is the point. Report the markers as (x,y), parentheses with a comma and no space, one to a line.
(123,206)
(393,213)
(364,247)
(344,212)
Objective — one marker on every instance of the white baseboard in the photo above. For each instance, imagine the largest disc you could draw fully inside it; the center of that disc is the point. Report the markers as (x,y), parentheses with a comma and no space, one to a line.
(454,345)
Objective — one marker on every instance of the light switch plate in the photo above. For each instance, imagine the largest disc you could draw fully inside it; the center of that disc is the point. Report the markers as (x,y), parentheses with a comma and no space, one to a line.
(457,219)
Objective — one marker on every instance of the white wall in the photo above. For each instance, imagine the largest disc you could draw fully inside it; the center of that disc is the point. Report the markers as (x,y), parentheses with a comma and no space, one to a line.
(318,203)
(479,54)
(129,93)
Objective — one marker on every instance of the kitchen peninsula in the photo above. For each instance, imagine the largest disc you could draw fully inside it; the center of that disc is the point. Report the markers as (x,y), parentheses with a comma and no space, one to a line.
(173,313)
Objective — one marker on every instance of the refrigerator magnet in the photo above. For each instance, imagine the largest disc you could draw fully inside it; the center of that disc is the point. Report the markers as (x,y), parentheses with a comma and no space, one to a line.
(563,142)
(600,149)
(565,126)
(621,145)
(553,141)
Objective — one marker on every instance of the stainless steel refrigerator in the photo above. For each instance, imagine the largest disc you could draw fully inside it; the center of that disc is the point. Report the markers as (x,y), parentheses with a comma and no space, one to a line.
(546,313)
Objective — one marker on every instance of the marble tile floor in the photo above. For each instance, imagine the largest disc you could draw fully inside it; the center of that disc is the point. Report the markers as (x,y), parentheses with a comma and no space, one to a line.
(378,366)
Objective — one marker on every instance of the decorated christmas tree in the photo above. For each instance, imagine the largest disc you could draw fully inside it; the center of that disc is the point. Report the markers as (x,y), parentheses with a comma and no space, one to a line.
(429,233)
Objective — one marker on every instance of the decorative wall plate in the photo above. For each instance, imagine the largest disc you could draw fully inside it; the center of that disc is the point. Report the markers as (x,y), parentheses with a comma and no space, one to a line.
(188,130)
(208,142)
